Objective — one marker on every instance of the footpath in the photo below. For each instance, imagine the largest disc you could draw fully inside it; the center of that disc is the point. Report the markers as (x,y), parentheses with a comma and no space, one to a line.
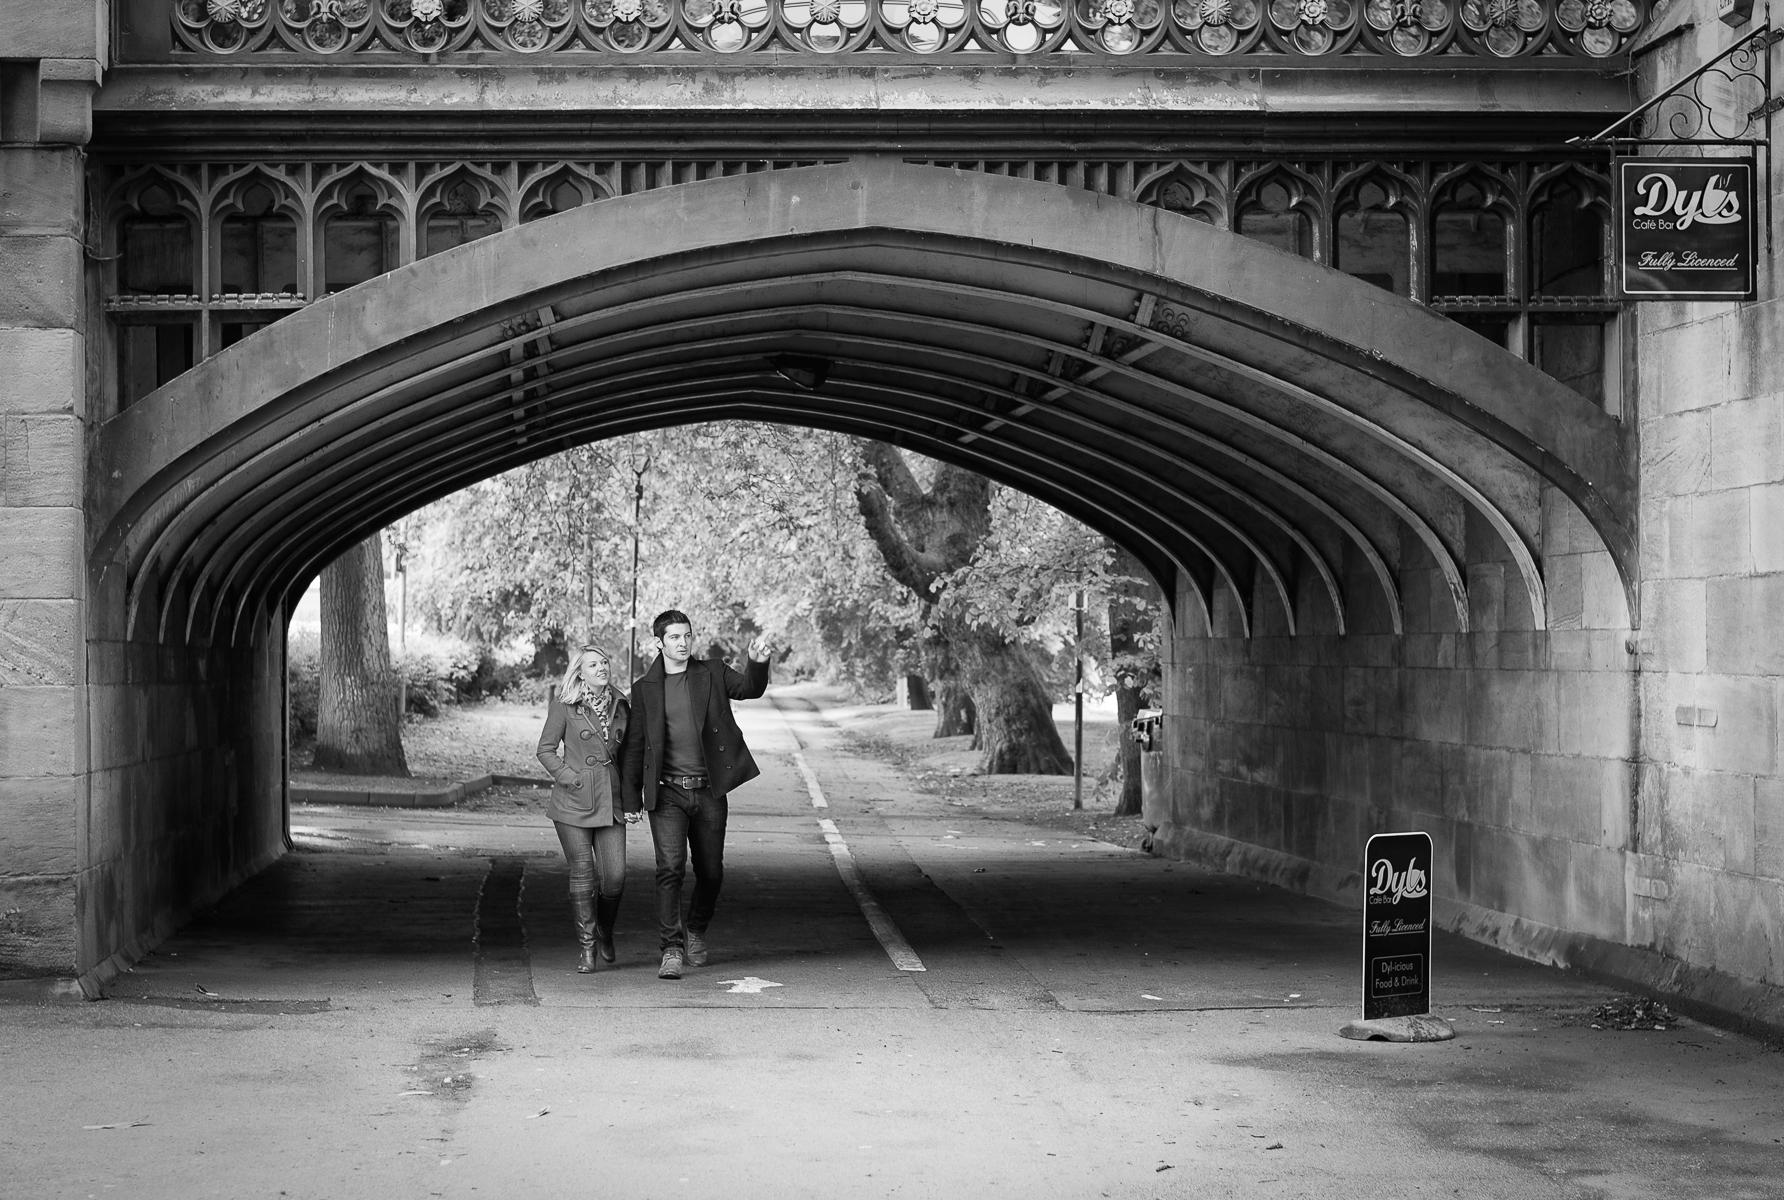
(390,1011)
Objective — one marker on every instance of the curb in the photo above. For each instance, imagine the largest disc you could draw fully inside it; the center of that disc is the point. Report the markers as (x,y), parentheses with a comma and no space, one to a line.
(43,989)
(310,793)
(442,797)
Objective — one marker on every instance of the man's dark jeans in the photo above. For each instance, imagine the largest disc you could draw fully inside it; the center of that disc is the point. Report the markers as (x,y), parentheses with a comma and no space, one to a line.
(684,822)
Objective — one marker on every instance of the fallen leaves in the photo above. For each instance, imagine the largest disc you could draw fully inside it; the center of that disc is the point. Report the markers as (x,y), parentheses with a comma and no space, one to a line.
(1633,1013)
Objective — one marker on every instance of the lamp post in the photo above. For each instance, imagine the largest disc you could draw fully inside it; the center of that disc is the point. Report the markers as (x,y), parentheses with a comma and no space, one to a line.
(1078,707)
(639,467)
(402,619)
(402,580)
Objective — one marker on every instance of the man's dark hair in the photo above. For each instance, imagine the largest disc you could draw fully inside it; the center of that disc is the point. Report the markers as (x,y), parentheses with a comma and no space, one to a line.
(673,616)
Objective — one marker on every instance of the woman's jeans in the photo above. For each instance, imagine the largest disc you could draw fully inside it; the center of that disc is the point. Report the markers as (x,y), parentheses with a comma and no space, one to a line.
(685,824)
(595,855)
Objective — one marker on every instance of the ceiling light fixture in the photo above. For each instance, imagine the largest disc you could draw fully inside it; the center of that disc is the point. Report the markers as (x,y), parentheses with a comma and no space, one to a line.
(801,370)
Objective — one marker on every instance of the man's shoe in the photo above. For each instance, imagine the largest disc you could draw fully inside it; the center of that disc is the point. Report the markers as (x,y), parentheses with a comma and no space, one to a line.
(671,968)
(696,949)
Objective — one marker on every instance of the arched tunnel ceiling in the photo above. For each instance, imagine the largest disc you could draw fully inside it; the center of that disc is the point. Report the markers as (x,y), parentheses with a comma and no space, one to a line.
(1238,418)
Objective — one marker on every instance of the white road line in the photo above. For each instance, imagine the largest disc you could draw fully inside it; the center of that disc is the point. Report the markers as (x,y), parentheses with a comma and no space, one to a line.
(892,941)
(811,782)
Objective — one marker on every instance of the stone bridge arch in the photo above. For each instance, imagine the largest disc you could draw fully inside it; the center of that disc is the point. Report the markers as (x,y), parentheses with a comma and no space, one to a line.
(1247,422)
(1288,450)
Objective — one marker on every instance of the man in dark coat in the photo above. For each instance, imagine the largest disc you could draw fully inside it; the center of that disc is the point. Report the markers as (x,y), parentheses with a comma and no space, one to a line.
(683,760)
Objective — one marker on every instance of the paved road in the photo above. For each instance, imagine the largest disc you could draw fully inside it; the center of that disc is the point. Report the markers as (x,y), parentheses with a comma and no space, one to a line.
(390,1012)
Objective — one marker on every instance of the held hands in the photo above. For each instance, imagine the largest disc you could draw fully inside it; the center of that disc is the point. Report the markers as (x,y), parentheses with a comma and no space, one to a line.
(632,818)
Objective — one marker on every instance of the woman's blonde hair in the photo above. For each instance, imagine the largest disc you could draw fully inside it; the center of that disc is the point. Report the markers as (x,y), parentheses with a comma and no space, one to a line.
(573,690)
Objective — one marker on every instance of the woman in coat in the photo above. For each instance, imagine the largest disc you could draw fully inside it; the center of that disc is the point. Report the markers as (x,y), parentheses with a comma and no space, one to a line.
(581,748)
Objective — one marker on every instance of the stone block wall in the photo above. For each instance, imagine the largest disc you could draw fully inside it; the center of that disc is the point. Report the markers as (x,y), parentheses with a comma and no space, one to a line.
(187,785)
(137,781)
(51,59)
(1607,792)
(1588,805)
(1709,397)
(1511,748)
(43,716)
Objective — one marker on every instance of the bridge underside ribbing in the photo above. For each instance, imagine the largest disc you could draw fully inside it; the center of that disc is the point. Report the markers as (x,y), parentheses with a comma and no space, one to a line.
(1244,421)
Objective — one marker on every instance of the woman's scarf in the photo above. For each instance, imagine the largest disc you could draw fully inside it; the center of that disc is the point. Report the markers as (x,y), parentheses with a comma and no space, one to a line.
(598,702)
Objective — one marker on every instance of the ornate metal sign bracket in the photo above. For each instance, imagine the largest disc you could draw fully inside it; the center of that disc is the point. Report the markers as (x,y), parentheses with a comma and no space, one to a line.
(1716,105)
(1727,102)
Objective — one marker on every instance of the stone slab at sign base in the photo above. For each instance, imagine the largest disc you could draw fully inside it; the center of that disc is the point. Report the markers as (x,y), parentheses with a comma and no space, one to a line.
(1423,1028)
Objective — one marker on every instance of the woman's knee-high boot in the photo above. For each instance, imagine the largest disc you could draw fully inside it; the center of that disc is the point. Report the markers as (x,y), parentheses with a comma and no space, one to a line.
(584,908)
(606,910)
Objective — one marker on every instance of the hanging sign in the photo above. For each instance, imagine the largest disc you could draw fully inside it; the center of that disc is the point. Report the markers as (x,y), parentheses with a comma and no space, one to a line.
(1685,229)
(1397,926)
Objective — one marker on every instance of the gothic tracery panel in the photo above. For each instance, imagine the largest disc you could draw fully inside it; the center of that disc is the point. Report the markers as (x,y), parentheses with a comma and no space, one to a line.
(1514,250)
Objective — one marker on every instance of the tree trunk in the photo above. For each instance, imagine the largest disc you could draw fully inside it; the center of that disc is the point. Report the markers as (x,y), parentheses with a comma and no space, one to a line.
(1014,714)
(913,692)
(1130,622)
(954,714)
(1127,706)
(953,703)
(358,728)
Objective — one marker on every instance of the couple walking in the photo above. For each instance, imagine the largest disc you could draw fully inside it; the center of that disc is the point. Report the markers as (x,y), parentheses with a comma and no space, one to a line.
(671,750)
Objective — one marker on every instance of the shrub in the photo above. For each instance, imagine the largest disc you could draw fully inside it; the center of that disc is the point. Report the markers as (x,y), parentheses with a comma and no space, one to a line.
(492,677)
(439,671)
(533,689)
(303,672)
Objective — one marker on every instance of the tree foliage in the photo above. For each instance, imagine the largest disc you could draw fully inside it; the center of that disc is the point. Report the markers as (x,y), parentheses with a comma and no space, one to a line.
(1027,576)
(531,551)
(756,528)
(747,527)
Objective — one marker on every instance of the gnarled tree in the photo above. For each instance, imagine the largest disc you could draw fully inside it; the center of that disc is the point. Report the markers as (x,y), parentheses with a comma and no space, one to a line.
(925,534)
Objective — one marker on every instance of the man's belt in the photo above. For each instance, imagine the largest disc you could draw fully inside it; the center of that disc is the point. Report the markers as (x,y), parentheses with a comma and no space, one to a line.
(687,783)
